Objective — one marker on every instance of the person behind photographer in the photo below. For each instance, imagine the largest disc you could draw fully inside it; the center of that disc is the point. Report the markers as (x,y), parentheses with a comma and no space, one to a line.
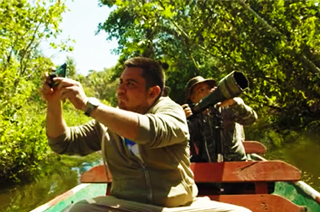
(144,141)
(234,113)
(166,91)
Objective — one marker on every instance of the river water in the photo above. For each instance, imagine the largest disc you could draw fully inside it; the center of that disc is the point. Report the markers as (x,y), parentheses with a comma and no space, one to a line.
(23,198)
(304,154)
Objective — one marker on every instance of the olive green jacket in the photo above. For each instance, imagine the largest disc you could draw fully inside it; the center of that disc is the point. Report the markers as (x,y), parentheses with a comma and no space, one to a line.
(203,132)
(162,176)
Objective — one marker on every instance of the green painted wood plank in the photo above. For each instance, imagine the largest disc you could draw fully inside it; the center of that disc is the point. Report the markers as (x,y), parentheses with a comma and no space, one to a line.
(74,195)
(296,195)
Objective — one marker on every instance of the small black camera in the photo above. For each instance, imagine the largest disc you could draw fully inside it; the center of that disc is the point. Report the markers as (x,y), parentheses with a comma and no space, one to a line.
(59,72)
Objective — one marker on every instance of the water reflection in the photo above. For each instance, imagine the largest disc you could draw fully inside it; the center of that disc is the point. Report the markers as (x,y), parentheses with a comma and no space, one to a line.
(303,154)
(26,197)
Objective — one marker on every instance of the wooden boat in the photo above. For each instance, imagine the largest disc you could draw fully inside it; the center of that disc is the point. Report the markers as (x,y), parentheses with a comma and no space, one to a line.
(289,193)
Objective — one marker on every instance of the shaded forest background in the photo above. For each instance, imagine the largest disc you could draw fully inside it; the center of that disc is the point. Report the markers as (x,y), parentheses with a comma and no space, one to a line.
(276,44)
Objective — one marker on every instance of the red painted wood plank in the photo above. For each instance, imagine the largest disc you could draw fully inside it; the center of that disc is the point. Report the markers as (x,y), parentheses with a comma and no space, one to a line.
(240,171)
(96,174)
(260,202)
(254,147)
(221,172)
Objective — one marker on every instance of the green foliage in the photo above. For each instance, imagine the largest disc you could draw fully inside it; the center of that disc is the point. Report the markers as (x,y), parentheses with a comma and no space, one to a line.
(22,147)
(23,143)
(71,68)
(103,85)
(72,116)
(24,24)
(275,44)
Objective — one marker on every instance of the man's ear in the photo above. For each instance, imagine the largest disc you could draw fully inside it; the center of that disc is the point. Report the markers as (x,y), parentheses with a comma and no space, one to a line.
(154,91)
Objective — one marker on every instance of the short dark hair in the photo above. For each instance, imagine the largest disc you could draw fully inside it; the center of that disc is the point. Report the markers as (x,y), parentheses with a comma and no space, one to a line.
(151,71)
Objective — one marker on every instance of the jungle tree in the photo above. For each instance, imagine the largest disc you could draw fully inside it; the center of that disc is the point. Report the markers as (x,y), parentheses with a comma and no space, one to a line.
(275,44)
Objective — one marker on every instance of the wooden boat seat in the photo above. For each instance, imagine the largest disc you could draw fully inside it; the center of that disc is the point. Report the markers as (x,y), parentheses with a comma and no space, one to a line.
(97,174)
(254,147)
(249,146)
(259,173)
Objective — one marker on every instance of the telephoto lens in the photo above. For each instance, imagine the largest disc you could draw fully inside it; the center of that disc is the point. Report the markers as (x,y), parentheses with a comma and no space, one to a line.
(230,86)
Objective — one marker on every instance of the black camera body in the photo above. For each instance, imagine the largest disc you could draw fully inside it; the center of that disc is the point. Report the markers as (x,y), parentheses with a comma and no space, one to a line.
(59,72)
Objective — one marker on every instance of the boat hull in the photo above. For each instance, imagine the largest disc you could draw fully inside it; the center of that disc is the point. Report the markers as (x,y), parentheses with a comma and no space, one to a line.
(80,192)
(297,195)
(289,191)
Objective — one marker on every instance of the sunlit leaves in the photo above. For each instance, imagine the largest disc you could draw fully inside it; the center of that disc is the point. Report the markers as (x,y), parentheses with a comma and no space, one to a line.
(23,25)
(276,43)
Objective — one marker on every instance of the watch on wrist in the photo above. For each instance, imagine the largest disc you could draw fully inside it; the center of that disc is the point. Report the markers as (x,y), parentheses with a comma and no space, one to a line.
(91,105)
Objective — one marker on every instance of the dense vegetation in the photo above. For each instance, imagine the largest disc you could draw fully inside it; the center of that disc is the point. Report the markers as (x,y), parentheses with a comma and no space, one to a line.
(274,43)
(22,28)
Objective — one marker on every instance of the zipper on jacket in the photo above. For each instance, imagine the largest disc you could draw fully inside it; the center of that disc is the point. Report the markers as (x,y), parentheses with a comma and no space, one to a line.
(206,146)
(205,139)
(144,169)
(146,175)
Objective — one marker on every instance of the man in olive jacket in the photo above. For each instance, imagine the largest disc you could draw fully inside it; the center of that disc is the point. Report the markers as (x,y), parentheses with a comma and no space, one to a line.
(144,141)
(205,134)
